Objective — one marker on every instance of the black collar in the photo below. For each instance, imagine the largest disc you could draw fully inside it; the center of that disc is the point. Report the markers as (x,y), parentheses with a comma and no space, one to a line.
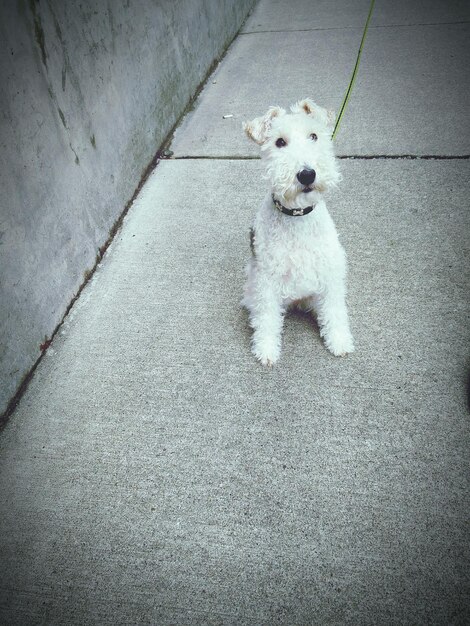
(292,212)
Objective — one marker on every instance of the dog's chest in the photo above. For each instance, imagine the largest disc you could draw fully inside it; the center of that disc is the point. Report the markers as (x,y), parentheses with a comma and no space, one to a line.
(300,255)
(301,259)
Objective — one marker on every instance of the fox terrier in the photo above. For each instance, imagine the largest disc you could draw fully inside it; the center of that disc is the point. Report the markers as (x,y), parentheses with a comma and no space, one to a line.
(297,258)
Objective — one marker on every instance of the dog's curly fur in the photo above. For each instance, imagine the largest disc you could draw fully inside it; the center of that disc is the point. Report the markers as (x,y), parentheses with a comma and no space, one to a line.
(296,258)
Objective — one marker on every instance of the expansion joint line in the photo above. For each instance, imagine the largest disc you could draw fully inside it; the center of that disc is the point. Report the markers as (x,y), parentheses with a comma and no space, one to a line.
(354,73)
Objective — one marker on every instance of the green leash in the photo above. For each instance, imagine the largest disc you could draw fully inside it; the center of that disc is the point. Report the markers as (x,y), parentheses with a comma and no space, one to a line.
(353,77)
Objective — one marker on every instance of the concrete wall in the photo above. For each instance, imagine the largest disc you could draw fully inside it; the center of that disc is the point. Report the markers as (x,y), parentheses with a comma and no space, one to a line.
(89,90)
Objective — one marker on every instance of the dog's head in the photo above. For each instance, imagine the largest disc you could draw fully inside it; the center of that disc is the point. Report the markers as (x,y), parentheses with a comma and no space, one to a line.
(298,149)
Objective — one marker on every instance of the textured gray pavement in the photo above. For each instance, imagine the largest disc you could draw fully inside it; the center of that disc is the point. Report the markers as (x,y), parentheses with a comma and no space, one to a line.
(154,473)
(410,97)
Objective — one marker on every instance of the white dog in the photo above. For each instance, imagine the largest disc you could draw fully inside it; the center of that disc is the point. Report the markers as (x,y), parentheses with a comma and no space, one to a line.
(297,257)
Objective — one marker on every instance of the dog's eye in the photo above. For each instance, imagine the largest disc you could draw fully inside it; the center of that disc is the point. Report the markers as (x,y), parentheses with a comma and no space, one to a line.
(313,137)
(280,143)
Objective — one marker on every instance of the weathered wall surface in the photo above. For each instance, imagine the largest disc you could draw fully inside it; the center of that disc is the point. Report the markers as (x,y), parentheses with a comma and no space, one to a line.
(89,90)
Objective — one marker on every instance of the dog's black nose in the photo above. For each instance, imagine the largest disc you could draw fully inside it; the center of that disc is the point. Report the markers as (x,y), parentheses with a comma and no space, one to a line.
(306,176)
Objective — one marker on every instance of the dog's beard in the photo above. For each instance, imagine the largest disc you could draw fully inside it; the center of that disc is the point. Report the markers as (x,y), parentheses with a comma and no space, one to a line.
(284,184)
(289,191)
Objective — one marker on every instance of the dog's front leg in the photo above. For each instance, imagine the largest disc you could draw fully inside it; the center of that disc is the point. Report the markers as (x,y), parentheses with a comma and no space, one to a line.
(332,315)
(266,318)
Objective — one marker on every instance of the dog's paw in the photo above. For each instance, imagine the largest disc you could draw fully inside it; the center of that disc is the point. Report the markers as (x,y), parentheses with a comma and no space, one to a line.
(339,343)
(266,361)
(267,352)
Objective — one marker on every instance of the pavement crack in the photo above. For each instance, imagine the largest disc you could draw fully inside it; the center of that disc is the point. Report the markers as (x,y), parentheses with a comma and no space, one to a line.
(416,157)
(217,158)
(365,157)
(372,26)
(299,30)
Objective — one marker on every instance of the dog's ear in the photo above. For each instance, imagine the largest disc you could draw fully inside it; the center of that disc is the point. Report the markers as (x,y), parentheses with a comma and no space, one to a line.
(308,106)
(258,128)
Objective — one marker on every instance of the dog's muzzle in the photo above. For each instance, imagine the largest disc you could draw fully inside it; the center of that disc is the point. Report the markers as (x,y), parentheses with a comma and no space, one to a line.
(306,176)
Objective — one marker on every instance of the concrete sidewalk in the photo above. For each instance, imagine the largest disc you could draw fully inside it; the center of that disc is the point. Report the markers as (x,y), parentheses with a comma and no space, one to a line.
(154,473)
